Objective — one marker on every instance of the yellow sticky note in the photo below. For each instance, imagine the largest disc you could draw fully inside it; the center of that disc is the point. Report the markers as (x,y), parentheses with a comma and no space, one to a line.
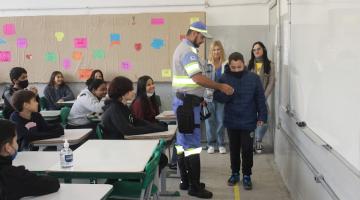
(194,19)
(166,73)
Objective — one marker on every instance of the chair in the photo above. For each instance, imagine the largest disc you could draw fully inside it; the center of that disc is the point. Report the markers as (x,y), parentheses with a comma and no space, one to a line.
(64,113)
(100,131)
(43,103)
(138,190)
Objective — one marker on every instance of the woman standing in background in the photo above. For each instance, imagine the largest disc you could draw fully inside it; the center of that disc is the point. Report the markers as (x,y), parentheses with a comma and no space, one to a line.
(262,66)
(214,124)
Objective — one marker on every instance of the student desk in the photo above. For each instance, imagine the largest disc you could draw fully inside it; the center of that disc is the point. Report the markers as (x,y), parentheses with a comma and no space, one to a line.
(74,136)
(78,192)
(168,136)
(108,159)
(167,116)
(66,103)
(50,115)
(37,161)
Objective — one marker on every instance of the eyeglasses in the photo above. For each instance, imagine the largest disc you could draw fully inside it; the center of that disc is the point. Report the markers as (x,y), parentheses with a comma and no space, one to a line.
(258,49)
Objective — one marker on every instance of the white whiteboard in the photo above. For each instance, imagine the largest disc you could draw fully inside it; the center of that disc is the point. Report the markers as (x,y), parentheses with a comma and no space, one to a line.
(325,71)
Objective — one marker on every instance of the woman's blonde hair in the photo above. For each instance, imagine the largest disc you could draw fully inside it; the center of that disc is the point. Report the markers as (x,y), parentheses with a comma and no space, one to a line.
(214,44)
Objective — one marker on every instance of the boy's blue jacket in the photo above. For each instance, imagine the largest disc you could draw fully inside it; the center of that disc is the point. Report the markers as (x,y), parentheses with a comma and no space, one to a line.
(247,105)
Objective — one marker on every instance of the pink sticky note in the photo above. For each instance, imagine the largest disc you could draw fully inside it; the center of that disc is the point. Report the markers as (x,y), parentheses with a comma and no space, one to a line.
(157,21)
(80,42)
(22,43)
(67,63)
(126,65)
(5,56)
(9,29)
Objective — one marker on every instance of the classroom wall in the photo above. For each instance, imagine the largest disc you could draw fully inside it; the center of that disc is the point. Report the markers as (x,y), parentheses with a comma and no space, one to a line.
(235,22)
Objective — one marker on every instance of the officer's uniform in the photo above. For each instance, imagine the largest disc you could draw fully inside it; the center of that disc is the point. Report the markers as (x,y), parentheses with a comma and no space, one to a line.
(186,63)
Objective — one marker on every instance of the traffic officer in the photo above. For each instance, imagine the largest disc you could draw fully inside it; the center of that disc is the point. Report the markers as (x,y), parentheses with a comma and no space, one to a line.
(188,86)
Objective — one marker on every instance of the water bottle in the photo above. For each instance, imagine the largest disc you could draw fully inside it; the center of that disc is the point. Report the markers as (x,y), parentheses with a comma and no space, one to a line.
(66,156)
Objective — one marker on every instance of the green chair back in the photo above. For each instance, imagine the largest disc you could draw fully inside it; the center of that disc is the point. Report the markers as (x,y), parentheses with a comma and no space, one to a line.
(64,114)
(150,170)
(99,131)
(43,103)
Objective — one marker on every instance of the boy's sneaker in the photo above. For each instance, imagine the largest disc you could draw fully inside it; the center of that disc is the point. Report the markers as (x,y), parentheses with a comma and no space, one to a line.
(247,184)
(234,178)
(259,147)
(211,150)
(222,150)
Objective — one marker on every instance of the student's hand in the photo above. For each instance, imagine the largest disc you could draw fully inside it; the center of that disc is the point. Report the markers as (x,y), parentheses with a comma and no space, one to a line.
(34,90)
(203,103)
(30,125)
(60,100)
(227,89)
(260,123)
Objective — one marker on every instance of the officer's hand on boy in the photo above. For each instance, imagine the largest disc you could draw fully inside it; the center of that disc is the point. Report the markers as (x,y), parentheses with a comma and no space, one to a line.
(227,89)
(34,90)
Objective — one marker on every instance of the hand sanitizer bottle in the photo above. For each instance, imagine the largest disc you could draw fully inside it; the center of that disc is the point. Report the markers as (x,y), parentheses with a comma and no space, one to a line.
(66,156)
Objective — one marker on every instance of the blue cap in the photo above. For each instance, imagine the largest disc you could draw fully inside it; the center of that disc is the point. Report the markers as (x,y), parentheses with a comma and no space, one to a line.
(201,28)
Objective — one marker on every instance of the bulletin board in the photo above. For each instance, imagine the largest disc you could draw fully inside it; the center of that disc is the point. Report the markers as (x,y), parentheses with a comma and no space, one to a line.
(130,45)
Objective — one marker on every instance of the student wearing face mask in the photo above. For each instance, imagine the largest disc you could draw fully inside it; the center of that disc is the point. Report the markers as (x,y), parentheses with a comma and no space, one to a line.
(17,182)
(244,110)
(117,118)
(57,91)
(19,80)
(145,106)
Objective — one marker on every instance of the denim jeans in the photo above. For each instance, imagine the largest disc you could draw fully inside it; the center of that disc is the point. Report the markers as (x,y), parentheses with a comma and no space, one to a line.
(214,124)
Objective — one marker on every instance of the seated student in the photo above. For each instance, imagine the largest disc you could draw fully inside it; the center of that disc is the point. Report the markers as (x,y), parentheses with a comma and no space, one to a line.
(95,74)
(145,106)
(57,91)
(30,125)
(19,79)
(90,100)
(117,118)
(17,182)
(244,110)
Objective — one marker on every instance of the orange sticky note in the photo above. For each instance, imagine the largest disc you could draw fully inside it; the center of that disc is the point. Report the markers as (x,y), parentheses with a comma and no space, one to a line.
(77,55)
(84,74)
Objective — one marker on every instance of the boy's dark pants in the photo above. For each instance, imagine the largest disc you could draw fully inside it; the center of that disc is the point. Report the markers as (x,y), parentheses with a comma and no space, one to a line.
(241,140)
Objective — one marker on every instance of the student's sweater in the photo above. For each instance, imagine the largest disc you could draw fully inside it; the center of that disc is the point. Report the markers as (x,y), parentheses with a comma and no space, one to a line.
(54,94)
(148,114)
(86,103)
(17,182)
(118,121)
(7,96)
(247,105)
(41,130)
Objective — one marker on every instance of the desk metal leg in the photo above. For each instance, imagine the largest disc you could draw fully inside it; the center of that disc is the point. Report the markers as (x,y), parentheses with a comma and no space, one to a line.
(163,191)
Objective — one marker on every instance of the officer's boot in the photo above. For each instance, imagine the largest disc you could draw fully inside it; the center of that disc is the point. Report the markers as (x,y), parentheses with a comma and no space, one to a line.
(184,183)
(194,176)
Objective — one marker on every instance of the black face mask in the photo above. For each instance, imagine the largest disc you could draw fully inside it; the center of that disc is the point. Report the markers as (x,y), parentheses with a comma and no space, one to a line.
(237,74)
(23,84)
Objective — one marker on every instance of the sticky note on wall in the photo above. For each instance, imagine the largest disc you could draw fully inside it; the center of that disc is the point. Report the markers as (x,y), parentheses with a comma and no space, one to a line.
(50,57)
(59,36)
(2,41)
(166,73)
(9,29)
(194,19)
(67,64)
(84,74)
(98,54)
(126,65)
(22,43)
(157,21)
(157,43)
(80,43)
(5,56)
(115,38)
(77,55)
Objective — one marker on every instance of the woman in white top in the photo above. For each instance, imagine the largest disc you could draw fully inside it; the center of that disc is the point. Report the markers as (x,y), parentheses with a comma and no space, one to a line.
(214,124)
(90,100)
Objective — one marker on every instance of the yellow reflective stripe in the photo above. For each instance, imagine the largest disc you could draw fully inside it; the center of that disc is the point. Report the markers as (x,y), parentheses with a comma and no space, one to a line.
(198,30)
(194,50)
(183,81)
(192,68)
(192,151)
(179,149)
